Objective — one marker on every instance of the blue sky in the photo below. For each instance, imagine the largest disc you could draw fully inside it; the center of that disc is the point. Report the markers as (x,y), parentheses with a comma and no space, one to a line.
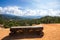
(30,7)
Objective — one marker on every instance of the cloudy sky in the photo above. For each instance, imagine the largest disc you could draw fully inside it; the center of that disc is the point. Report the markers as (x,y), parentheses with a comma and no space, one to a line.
(30,7)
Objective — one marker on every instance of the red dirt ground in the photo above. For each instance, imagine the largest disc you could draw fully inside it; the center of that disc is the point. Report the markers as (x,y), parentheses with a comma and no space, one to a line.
(51,32)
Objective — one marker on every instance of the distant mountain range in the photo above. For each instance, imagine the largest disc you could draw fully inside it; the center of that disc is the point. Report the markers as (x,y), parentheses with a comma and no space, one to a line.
(7,16)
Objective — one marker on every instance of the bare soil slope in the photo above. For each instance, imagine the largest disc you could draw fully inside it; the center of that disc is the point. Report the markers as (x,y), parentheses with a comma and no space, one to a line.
(51,32)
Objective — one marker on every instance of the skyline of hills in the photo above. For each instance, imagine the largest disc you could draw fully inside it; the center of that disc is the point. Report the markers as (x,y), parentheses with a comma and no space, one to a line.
(7,16)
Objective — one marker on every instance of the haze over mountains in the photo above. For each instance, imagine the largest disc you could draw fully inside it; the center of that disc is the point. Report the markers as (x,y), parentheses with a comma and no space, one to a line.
(8,16)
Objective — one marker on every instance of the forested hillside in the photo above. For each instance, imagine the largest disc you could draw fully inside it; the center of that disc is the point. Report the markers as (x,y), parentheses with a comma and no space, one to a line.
(9,21)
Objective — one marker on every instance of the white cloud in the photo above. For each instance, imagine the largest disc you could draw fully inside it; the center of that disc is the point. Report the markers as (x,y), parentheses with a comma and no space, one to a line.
(1,10)
(46,4)
(14,10)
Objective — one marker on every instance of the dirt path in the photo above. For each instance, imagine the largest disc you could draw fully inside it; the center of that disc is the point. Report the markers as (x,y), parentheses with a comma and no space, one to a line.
(3,32)
(51,32)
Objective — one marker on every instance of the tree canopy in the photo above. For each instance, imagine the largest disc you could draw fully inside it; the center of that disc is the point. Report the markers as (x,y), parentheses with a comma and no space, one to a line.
(28,22)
